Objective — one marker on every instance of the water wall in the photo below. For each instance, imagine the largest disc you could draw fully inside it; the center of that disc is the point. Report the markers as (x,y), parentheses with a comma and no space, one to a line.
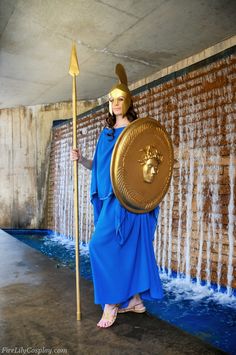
(196,233)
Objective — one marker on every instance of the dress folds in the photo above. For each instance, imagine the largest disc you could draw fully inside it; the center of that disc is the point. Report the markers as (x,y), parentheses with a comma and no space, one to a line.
(121,249)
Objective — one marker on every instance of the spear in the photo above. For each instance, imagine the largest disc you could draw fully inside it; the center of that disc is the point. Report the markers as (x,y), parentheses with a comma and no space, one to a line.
(74,71)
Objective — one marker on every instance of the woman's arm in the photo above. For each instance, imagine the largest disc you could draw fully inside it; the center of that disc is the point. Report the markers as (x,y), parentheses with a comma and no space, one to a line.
(87,163)
(75,154)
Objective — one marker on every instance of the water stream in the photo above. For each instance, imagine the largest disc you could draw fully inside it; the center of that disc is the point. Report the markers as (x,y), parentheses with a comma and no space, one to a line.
(196,229)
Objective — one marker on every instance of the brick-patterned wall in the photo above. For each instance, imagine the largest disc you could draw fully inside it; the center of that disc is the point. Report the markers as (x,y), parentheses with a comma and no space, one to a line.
(196,233)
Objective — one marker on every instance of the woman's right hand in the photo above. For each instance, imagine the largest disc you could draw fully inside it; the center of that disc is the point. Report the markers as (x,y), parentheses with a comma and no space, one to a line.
(75,154)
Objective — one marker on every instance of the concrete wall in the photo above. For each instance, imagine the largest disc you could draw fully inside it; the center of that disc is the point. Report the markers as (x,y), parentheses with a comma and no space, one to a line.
(25,134)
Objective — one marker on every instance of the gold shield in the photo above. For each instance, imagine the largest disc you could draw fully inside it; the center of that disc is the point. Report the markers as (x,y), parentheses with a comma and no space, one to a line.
(141,165)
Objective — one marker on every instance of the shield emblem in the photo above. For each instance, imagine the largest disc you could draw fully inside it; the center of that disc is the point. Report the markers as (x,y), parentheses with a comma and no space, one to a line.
(142,165)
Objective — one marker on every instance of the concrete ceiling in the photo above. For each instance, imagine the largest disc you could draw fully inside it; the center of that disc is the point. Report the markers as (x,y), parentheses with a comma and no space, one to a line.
(145,35)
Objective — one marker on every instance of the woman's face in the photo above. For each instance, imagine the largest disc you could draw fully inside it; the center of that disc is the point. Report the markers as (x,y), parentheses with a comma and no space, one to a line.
(117,104)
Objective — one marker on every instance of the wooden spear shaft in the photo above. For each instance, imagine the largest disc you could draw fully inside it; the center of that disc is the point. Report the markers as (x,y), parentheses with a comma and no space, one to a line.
(74,71)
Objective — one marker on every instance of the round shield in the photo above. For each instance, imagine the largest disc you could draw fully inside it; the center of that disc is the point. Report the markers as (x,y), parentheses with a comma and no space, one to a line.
(142,165)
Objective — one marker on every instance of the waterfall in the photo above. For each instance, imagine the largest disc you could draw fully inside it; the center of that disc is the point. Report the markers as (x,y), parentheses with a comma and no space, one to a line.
(231,226)
(231,206)
(196,224)
(164,232)
(171,205)
(200,203)
(180,196)
(63,190)
(189,199)
(158,251)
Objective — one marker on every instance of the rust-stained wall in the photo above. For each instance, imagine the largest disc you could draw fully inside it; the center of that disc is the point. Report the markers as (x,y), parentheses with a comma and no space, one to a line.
(24,145)
(196,234)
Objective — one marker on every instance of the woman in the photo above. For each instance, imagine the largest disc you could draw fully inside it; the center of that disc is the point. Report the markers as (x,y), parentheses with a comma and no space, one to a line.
(121,251)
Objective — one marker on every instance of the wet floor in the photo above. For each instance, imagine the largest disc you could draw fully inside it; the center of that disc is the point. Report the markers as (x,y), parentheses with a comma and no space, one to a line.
(38,314)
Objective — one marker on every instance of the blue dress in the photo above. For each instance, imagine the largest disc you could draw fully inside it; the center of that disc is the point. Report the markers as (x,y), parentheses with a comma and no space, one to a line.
(121,249)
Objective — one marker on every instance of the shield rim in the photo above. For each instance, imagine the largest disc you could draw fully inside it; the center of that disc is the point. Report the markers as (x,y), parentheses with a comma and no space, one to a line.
(113,164)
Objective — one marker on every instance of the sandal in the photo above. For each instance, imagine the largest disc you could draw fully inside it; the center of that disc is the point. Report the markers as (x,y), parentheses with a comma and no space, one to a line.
(133,309)
(108,317)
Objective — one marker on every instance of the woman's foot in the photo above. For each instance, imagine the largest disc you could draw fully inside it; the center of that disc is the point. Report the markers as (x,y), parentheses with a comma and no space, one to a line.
(135,305)
(109,315)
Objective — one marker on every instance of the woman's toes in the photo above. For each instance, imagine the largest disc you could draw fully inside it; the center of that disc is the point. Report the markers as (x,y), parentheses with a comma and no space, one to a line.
(100,324)
(103,324)
(108,317)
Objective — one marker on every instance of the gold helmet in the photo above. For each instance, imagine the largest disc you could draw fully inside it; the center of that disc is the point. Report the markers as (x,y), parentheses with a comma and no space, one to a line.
(120,89)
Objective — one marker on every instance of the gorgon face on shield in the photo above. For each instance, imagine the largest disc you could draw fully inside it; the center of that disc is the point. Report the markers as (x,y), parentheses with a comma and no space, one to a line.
(150,169)
(150,161)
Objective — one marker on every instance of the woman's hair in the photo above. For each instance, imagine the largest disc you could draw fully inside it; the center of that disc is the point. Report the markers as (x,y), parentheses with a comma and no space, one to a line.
(111,119)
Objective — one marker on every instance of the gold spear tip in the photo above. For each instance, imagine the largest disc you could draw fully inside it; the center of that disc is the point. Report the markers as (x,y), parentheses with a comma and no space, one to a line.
(74,66)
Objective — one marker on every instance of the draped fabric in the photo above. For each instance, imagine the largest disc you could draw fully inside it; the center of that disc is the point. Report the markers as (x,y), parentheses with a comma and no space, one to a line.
(121,249)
